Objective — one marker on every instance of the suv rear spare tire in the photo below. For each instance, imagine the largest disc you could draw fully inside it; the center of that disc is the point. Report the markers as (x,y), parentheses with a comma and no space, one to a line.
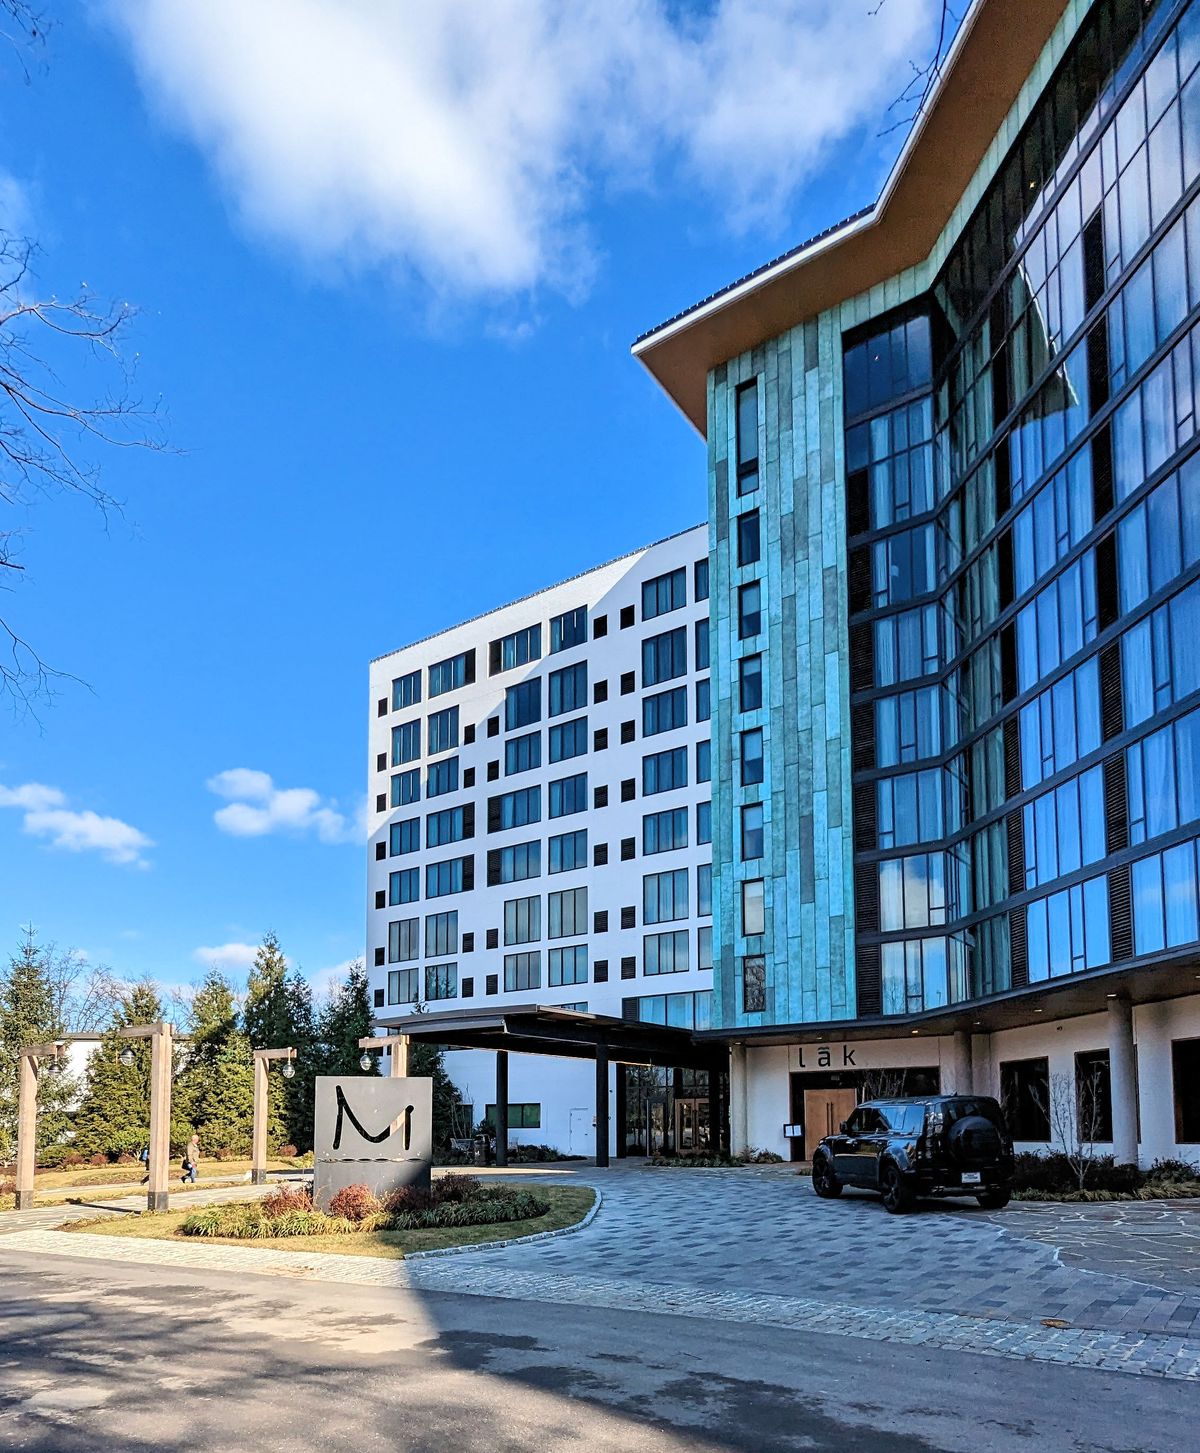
(973,1140)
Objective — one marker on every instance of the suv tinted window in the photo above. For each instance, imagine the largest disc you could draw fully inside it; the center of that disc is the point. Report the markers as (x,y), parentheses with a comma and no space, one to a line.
(985,1106)
(906,1118)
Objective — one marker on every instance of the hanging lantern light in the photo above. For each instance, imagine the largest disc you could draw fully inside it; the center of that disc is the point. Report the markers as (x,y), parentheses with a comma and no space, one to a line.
(126,1057)
(366,1063)
(289,1069)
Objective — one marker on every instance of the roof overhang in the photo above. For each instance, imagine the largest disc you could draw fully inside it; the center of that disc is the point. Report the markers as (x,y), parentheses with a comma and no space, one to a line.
(537,1029)
(996,47)
(1044,1003)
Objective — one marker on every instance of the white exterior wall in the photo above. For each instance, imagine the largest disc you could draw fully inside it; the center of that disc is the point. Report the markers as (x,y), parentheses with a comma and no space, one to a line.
(562,1087)
(1155,1026)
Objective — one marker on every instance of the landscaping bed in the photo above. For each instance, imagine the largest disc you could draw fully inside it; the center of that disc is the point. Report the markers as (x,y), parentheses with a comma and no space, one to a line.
(717,1162)
(1057,1178)
(450,1214)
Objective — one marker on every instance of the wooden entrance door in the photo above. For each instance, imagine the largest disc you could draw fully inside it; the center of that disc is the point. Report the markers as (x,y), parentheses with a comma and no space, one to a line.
(824,1111)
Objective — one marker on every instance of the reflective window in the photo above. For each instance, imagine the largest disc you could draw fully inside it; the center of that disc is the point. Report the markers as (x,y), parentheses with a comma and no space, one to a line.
(569,629)
(664,593)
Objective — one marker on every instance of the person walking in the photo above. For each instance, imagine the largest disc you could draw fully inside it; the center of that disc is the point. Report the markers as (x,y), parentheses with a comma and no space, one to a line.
(191,1159)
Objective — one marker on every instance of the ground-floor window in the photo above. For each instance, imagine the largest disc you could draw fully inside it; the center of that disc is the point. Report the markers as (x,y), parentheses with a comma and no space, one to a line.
(520,1116)
(1093,1096)
(1185,1069)
(1025,1096)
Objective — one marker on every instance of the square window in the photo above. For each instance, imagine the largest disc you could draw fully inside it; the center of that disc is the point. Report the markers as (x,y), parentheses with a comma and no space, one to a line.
(381,762)
(381,802)
(627,617)
(600,797)
(380,851)
(752,831)
(600,921)
(468,776)
(381,706)
(600,971)
(628,789)
(468,735)
(378,957)
(378,998)
(748,542)
(628,731)
(468,988)
(629,968)
(599,627)
(493,938)
(600,855)
(600,739)
(752,757)
(381,899)
(749,610)
(599,692)
(493,771)
(628,849)
(468,943)
(754,916)
(628,683)
(629,917)
(493,726)
(491,984)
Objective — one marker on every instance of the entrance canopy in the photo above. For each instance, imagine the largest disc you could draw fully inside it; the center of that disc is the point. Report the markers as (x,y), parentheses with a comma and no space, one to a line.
(571,1033)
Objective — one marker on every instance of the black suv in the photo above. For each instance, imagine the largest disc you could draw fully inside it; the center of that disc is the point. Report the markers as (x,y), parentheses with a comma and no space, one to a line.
(943,1145)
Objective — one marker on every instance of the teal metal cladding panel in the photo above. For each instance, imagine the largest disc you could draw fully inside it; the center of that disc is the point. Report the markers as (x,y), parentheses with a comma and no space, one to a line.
(808,945)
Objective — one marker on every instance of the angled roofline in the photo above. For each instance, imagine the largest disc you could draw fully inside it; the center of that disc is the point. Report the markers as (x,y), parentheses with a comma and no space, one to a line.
(981,77)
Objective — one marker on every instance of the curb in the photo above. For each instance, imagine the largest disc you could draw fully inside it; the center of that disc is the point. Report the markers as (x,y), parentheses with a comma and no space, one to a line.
(513,1240)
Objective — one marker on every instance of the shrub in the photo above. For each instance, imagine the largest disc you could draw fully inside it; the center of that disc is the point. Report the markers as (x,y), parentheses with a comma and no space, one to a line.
(124,1159)
(286,1199)
(247,1221)
(98,1159)
(223,1152)
(762,1157)
(124,1142)
(697,1162)
(355,1203)
(52,1156)
(1173,1170)
(287,1152)
(518,1154)
(73,1159)
(489,1209)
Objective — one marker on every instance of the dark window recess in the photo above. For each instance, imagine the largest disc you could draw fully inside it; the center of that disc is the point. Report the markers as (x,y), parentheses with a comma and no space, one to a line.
(864,818)
(862,737)
(493,771)
(381,706)
(1097,364)
(467,987)
(860,579)
(493,814)
(1093,260)
(869,979)
(628,849)
(1025,1096)
(1012,756)
(1112,696)
(628,731)
(862,658)
(600,921)
(1102,472)
(1185,1077)
(1016,852)
(380,899)
(491,984)
(1108,605)
(468,734)
(378,999)
(600,739)
(1008,662)
(866,897)
(468,776)
(968,777)
(378,957)
(493,726)
(600,971)
(1004,569)
(599,855)
(493,938)
(600,797)
(381,762)
(629,917)
(1116,806)
(858,503)
(1093,1096)
(1003,471)
(468,943)
(629,1009)
(628,683)
(380,851)
(600,691)
(599,627)
(1000,397)
(627,617)
(381,802)
(1120,914)
(628,789)
(1018,948)
(629,968)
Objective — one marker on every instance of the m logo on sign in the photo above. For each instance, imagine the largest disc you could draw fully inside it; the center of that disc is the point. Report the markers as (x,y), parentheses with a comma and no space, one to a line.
(404,1118)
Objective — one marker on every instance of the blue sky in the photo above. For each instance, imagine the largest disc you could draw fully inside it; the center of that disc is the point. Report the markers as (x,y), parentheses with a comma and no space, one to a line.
(387,262)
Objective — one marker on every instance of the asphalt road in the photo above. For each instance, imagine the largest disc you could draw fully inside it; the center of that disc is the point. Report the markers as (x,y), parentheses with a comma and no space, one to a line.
(96,1356)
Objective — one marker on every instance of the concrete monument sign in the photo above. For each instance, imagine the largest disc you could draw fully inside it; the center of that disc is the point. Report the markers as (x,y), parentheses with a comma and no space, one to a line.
(371,1132)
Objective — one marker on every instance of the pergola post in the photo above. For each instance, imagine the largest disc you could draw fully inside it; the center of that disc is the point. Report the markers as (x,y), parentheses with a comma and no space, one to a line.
(161,1037)
(502,1107)
(27,1118)
(397,1044)
(262,1090)
(601,1105)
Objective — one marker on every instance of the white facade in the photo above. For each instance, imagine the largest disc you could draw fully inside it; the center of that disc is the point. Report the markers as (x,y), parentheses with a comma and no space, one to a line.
(768,1094)
(629,933)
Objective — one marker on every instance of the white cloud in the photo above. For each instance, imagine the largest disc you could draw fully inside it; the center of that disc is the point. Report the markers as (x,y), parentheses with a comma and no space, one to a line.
(257,807)
(75,831)
(226,955)
(325,981)
(15,209)
(463,141)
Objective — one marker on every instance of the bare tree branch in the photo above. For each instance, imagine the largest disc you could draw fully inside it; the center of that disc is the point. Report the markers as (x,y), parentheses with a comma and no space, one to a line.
(911,102)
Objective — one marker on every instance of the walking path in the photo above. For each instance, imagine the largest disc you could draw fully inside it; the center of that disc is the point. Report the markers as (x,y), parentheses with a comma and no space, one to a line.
(759,1247)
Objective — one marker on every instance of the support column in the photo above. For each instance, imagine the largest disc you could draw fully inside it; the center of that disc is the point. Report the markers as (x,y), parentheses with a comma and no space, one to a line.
(1122,1064)
(739,1110)
(621,1109)
(601,1105)
(160,1118)
(258,1154)
(399,1056)
(26,1132)
(717,1129)
(502,1107)
(961,1069)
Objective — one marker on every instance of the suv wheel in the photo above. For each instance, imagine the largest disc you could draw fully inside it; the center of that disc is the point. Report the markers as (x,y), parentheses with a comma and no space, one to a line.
(994,1200)
(824,1182)
(897,1197)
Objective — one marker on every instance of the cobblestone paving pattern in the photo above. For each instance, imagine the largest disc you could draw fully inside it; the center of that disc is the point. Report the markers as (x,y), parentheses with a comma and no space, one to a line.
(1158,1243)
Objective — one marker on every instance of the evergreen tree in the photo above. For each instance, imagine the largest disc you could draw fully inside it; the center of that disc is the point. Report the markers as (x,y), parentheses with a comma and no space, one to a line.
(225,1110)
(213,1024)
(344,1019)
(265,1014)
(300,1091)
(29,1014)
(114,1113)
(278,1012)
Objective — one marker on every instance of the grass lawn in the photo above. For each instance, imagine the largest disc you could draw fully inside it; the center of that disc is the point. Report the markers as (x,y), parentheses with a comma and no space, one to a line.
(120,1175)
(568,1204)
